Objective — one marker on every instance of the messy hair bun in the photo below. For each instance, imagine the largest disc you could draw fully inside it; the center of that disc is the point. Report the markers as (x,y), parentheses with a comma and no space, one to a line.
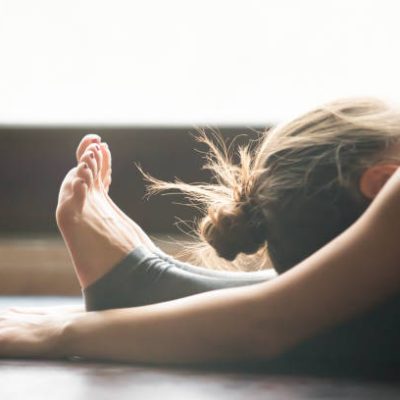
(231,230)
(298,174)
(232,219)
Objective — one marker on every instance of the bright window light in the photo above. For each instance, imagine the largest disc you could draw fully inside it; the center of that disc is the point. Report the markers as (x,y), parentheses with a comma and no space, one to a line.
(175,62)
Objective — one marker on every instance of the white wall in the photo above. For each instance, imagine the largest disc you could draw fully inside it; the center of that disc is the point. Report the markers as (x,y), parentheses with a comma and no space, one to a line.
(195,62)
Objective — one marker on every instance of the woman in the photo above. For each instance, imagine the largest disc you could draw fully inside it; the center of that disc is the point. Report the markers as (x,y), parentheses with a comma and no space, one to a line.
(304,183)
(258,321)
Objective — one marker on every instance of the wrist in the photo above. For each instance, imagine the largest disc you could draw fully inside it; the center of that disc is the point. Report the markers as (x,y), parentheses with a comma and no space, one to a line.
(82,333)
(67,338)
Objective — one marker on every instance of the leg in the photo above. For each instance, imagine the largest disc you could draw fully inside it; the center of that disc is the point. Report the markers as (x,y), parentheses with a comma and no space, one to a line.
(98,235)
(145,278)
(95,237)
(148,275)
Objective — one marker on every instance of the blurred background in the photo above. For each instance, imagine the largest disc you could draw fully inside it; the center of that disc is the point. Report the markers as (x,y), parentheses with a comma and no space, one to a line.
(143,75)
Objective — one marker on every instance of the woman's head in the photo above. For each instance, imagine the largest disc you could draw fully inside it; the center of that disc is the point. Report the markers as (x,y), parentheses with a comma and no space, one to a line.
(302,184)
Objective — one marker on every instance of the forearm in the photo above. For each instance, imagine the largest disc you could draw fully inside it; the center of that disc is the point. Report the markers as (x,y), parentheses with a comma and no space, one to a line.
(217,326)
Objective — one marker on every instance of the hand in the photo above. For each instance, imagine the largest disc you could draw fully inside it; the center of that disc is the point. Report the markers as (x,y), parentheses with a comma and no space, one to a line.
(32,335)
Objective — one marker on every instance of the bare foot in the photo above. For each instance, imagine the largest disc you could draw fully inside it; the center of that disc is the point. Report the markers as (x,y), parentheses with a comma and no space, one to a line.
(95,236)
(87,146)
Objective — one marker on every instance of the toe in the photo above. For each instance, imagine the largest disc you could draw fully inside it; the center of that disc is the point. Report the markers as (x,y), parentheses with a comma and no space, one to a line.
(86,141)
(89,158)
(79,192)
(98,159)
(83,172)
(107,182)
(106,165)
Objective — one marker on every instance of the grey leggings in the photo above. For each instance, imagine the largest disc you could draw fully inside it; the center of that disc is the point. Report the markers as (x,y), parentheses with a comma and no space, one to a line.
(369,342)
(146,277)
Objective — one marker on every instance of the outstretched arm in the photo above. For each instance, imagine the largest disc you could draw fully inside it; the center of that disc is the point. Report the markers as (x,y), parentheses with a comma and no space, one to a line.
(352,273)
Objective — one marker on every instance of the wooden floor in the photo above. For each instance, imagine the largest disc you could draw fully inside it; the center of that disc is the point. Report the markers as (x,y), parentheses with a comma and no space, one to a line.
(40,267)
(36,380)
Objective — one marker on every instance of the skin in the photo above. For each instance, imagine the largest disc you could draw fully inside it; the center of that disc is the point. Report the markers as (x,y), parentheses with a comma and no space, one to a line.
(209,326)
(85,147)
(87,153)
(97,233)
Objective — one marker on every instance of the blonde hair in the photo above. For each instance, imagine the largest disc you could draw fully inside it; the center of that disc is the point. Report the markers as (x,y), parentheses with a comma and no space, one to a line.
(293,189)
